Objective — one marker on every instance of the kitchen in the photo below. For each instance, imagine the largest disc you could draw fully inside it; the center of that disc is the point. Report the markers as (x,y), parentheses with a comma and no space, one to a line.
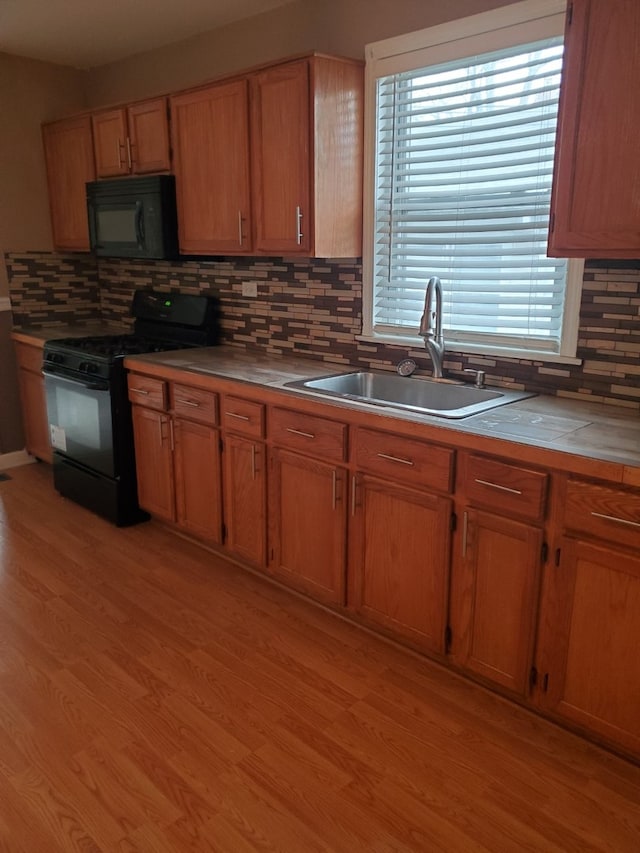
(47,283)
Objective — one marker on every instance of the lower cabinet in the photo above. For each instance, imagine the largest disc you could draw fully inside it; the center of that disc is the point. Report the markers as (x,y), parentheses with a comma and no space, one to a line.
(308,524)
(399,560)
(33,401)
(593,667)
(245,510)
(154,462)
(498,570)
(178,460)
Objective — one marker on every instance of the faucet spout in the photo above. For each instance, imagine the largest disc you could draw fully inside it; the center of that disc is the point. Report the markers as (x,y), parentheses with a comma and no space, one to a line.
(431,325)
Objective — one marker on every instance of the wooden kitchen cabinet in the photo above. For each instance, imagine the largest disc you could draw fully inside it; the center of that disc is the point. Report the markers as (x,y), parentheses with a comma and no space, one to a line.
(496,569)
(154,462)
(306,157)
(68,148)
(245,479)
(33,401)
(595,209)
(210,133)
(178,460)
(307,504)
(132,140)
(399,536)
(590,630)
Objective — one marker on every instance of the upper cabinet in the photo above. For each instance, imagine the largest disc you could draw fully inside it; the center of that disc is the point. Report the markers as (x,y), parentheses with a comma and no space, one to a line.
(595,210)
(68,152)
(271,163)
(306,157)
(210,132)
(132,140)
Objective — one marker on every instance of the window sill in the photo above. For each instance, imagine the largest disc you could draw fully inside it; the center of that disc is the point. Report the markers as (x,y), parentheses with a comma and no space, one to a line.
(410,342)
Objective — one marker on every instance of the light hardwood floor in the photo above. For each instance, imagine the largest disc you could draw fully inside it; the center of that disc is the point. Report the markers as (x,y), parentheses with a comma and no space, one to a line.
(155,698)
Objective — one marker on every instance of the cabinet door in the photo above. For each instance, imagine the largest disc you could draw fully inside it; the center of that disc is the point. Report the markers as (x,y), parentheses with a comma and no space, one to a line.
(148,149)
(399,559)
(197,478)
(110,143)
(596,198)
(154,462)
(281,158)
(34,414)
(68,148)
(308,525)
(593,662)
(245,498)
(210,133)
(499,570)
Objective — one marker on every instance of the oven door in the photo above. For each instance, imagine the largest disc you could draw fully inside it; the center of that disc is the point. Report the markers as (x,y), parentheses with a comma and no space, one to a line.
(80,420)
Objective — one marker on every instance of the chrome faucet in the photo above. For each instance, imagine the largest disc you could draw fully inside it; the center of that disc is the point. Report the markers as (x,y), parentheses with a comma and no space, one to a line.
(431,325)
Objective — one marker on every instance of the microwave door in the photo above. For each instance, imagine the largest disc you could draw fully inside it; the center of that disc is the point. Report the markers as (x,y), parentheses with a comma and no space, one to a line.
(118,227)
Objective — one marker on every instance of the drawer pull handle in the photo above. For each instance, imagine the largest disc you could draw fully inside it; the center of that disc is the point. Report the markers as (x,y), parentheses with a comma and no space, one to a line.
(616,519)
(465,533)
(239,417)
(500,488)
(395,459)
(188,403)
(141,391)
(300,432)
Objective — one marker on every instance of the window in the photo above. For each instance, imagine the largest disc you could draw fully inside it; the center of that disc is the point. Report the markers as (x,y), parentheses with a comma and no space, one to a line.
(460,173)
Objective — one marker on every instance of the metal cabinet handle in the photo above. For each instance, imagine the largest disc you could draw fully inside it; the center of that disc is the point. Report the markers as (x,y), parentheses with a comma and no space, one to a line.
(140,391)
(616,519)
(240,227)
(253,461)
(395,459)
(354,487)
(129,159)
(300,432)
(465,531)
(500,488)
(188,403)
(299,234)
(172,442)
(334,496)
(119,147)
(239,417)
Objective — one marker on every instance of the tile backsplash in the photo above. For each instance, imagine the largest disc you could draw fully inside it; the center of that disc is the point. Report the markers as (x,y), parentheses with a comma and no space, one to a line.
(314,308)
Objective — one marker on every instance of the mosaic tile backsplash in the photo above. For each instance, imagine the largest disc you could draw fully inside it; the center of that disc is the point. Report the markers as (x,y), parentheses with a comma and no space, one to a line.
(314,308)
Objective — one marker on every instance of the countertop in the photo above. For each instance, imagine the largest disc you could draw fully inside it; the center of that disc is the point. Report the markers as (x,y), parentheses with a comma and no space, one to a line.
(592,430)
(39,336)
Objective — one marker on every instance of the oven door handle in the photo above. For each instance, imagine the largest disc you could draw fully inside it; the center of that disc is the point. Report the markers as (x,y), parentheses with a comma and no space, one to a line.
(90,386)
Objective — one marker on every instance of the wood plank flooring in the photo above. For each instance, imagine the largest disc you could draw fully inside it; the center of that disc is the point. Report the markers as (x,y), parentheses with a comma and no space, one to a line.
(155,698)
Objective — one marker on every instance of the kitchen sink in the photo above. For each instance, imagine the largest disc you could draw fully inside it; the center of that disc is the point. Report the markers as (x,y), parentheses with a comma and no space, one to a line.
(443,398)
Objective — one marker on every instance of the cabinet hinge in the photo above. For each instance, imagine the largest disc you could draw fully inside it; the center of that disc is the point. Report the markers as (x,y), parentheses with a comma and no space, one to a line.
(544,555)
(533,677)
(453,522)
(545,682)
(448,638)
(557,556)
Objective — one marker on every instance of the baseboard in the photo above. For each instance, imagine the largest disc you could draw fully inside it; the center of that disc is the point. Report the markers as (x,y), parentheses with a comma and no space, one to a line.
(12,460)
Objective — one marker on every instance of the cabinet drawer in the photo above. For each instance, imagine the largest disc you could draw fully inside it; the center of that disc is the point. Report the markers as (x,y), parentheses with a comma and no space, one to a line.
(397,458)
(311,434)
(602,511)
(146,391)
(507,488)
(243,416)
(29,358)
(196,404)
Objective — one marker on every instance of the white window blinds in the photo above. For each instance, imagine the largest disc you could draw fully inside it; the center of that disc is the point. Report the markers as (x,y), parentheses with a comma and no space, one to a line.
(463,168)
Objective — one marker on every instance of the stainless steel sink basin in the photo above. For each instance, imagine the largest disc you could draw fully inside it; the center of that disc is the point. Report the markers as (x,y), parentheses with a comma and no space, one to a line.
(442,398)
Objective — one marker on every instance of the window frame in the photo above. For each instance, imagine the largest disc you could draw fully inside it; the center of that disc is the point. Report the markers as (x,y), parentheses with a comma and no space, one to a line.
(525,22)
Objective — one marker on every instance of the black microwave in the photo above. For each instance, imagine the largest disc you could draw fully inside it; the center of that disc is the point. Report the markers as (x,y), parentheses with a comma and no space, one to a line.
(133,217)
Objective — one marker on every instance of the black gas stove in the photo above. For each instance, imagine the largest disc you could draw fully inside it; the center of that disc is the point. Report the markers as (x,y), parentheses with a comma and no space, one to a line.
(87,403)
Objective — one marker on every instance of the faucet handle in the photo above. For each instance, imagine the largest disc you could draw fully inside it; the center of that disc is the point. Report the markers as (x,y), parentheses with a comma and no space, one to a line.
(479,376)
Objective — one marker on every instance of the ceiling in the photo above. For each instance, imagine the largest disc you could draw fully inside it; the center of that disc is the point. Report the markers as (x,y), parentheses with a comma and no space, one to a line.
(89,33)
